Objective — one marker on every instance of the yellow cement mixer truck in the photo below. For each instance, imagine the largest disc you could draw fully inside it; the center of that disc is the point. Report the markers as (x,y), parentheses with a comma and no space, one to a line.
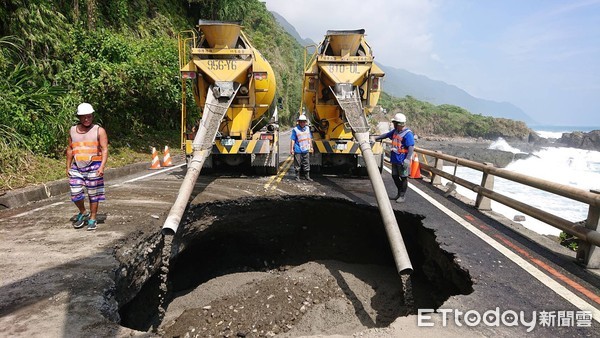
(234,84)
(341,87)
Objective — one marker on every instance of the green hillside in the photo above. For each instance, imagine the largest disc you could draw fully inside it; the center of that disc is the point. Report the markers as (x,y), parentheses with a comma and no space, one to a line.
(120,56)
(448,120)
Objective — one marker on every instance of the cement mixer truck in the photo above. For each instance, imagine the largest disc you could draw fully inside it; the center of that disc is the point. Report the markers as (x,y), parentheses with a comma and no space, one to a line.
(233,81)
(234,86)
(341,87)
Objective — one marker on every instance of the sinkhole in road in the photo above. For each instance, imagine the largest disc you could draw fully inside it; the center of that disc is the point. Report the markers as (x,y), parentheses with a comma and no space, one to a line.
(296,265)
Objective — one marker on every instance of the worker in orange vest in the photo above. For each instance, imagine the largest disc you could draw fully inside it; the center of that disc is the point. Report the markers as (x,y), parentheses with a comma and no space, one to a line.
(87,153)
(403,144)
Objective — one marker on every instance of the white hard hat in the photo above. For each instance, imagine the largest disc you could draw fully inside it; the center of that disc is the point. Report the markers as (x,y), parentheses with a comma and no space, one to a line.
(85,109)
(400,118)
(302,118)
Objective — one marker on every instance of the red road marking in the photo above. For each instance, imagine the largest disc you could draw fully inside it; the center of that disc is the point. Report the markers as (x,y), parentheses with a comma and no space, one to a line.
(538,262)
(475,221)
(551,270)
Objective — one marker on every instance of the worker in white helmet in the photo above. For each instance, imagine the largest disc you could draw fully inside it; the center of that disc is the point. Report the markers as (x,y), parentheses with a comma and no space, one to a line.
(301,147)
(403,144)
(87,153)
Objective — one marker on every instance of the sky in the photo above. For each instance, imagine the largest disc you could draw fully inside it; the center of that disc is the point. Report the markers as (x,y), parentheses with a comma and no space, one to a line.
(541,55)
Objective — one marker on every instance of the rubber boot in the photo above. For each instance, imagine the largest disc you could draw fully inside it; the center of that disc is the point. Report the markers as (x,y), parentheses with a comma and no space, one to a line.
(308,177)
(393,198)
(297,176)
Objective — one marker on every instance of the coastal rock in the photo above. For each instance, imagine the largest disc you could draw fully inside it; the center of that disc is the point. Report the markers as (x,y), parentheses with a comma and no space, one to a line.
(519,218)
(471,149)
(578,139)
(534,138)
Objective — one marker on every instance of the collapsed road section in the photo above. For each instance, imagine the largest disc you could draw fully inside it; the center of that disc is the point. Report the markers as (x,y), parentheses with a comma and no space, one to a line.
(293,265)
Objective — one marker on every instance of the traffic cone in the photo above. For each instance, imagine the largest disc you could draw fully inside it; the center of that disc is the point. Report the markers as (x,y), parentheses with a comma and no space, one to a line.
(167,158)
(415,167)
(155,161)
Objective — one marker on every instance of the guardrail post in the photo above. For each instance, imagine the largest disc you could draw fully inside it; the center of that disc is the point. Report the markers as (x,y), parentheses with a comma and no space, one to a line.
(589,253)
(487,181)
(439,164)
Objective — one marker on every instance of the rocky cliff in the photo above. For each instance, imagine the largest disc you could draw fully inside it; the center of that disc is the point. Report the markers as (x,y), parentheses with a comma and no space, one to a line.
(578,139)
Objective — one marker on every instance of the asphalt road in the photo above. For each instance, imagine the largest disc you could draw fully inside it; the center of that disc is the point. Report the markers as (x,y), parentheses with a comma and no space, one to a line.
(54,279)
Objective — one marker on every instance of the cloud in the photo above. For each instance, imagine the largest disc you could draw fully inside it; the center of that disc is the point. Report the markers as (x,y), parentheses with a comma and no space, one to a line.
(398,31)
(540,55)
(550,34)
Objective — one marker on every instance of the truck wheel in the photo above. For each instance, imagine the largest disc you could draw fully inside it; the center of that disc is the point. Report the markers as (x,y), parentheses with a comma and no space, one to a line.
(260,170)
(315,169)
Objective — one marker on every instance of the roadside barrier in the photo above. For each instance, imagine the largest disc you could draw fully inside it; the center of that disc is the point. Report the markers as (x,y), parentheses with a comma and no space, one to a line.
(588,231)
(167,162)
(155,161)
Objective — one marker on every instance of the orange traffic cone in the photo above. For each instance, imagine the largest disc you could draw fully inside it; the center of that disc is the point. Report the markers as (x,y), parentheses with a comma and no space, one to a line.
(415,167)
(167,158)
(155,161)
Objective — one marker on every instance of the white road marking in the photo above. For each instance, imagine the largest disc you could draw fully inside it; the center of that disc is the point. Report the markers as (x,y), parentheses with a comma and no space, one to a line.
(136,202)
(525,265)
(114,185)
(149,175)
(37,209)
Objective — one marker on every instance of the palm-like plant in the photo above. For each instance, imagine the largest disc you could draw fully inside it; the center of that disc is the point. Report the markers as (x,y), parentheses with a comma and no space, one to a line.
(29,105)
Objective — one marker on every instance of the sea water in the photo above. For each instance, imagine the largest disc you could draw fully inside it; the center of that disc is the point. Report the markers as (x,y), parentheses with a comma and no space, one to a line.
(574,167)
(555,132)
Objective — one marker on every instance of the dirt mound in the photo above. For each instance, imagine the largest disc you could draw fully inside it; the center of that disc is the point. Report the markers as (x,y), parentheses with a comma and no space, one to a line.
(305,300)
(246,270)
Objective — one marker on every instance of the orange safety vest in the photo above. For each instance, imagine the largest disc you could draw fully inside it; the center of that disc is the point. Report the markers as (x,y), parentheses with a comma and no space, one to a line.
(397,141)
(303,138)
(86,147)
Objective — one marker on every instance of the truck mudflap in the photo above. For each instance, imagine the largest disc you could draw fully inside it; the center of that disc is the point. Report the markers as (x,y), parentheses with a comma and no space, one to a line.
(344,147)
(230,146)
(263,154)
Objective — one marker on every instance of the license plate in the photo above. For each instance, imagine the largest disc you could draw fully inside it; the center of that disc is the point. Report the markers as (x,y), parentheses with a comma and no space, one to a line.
(340,146)
(227,141)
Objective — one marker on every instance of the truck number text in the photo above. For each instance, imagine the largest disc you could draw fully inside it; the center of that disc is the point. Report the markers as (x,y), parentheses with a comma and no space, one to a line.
(221,65)
(342,68)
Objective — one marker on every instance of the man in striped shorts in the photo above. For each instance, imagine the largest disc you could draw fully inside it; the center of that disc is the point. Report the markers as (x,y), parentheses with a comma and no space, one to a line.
(87,154)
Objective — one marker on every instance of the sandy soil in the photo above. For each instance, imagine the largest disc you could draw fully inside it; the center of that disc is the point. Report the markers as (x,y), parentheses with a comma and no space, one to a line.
(305,300)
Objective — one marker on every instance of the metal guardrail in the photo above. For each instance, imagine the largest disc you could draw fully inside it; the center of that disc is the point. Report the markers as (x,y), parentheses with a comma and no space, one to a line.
(589,251)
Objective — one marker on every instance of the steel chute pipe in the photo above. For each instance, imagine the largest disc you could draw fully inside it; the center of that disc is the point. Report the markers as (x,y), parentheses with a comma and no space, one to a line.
(185,191)
(218,99)
(401,258)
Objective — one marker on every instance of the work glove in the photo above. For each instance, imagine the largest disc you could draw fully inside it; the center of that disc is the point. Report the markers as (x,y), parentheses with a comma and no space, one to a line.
(406,163)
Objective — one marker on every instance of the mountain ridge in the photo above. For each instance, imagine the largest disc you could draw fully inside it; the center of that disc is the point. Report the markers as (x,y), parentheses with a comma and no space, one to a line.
(401,83)
(288,27)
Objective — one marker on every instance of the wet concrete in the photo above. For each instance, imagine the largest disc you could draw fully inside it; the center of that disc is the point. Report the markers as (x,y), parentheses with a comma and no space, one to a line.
(277,234)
